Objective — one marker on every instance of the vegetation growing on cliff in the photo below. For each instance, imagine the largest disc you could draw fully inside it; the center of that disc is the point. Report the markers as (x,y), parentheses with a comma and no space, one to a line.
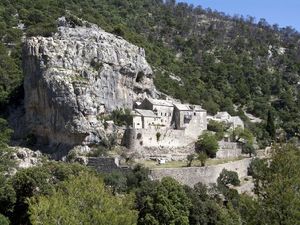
(222,61)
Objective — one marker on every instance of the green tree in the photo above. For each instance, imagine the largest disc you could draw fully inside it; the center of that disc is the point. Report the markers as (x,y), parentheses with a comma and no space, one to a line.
(218,127)
(162,202)
(248,149)
(36,181)
(137,176)
(270,127)
(121,117)
(207,143)
(228,177)
(7,196)
(240,133)
(5,132)
(82,200)
(276,185)
(202,157)
(4,220)
(206,210)
(117,181)
(190,158)
(6,161)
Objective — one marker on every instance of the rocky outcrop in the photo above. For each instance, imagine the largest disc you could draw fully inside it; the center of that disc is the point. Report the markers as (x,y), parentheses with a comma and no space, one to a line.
(77,75)
(26,158)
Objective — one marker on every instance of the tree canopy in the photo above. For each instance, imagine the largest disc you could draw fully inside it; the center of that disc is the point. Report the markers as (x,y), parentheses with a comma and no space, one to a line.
(208,144)
(225,62)
(82,200)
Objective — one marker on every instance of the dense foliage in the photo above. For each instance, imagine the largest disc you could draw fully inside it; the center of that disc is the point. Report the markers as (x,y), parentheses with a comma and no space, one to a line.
(163,202)
(70,193)
(207,143)
(221,60)
(276,185)
(42,180)
(82,200)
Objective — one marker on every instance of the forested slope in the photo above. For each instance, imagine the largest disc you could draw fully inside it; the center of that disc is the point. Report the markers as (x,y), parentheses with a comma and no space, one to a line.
(221,61)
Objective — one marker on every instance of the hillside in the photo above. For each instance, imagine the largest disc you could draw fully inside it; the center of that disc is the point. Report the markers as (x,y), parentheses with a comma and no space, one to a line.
(199,56)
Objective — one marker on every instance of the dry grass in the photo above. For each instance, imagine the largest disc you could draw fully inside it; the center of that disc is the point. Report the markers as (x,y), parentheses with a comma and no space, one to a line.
(179,164)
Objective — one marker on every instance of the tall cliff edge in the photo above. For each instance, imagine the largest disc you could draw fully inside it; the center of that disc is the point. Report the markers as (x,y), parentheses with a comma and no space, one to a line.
(76,75)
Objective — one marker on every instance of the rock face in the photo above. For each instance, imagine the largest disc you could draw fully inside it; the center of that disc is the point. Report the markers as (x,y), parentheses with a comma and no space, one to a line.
(77,75)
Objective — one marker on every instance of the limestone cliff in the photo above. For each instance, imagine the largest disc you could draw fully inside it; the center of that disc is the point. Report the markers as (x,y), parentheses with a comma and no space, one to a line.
(76,75)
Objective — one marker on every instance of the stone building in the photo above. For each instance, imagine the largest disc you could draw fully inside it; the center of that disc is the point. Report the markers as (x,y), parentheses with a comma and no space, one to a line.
(161,108)
(191,118)
(232,121)
(162,128)
(143,119)
(165,114)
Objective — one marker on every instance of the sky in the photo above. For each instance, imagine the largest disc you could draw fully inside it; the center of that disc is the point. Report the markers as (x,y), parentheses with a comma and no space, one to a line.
(282,12)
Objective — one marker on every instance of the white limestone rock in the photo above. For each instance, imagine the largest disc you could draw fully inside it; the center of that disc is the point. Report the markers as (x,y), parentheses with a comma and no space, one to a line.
(75,76)
(26,158)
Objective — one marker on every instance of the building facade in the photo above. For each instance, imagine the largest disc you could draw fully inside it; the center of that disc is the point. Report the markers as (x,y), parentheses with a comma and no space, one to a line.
(164,128)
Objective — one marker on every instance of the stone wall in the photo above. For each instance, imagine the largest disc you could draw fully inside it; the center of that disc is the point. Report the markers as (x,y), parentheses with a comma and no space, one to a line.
(207,175)
(104,164)
(228,153)
(228,150)
(158,143)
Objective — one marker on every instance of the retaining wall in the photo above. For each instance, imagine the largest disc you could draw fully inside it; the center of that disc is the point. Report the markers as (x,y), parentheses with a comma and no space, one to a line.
(228,150)
(171,144)
(105,164)
(207,175)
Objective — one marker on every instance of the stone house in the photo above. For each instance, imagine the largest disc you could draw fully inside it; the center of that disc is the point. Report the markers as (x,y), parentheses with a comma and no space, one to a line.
(161,108)
(166,114)
(236,122)
(233,121)
(191,118)
(144,119)
(163,129)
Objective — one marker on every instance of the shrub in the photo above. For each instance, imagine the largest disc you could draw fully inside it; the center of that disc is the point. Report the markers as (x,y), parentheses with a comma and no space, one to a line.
(4,220)
(228,177)
(190,159)
(121,117)
(202,156)
(158,135)
(208,144)
(248,149)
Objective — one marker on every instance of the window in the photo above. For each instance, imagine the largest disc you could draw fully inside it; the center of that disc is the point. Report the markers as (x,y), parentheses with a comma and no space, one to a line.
(195,114)
(138,124)
(165,114)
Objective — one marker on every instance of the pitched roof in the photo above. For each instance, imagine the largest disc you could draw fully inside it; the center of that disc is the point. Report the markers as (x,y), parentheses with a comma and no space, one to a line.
(160,102)
(145,113)
(183,107)
(198,108)
(186,107)
(236,119)
(222,114)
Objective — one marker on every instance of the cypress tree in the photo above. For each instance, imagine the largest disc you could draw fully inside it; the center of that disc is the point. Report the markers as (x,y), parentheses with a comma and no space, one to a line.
(270,125)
